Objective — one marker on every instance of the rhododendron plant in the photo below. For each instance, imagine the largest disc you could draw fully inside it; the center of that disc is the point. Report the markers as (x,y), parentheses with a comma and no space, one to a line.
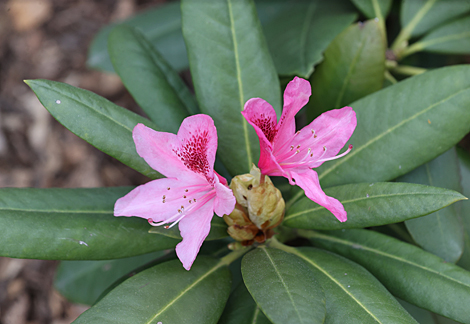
(291,154)
(192,191)
(279,256)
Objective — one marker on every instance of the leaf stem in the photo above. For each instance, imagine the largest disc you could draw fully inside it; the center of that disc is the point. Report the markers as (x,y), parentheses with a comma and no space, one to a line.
(408,70)
(390,77)
(234,255)
(401,41)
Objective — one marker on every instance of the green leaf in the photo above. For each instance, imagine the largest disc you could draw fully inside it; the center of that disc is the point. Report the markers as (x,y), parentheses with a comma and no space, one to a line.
(283,286)
(407,271)
(421,315)
(241,308)
(398,128)
(371,8)
(155,86)
(84,281)
(371,204)
(98,121)
(451,38)
(162,26)
(354,67)
(300,33)
(230,64)
(218,230)
(72,224)
(166,293)
(441,232)
(464,166)
(421,16)
(352,294)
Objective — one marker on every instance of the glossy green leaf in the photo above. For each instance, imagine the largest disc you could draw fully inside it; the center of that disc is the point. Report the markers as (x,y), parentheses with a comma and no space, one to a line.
(84,281)
(218,230)
(352,294)
(371,204)
(407,271)
(155,86)
(166,293)
(241,308)
(230,64)
(72,224)
(451,38)
(399,128)
(370,8)
(301,32)
(283,286)
(98,121)
(464,206)
(162,26)
(422,316)
(354,67)
(441,232)
(421,16)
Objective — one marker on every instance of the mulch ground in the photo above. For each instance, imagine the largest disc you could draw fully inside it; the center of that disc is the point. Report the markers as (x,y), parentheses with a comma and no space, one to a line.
(48,39)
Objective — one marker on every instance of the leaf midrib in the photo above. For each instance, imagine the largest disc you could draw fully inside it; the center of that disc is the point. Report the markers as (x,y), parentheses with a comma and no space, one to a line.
(284,284)
(387,255)
(300,254)
(86,105)
(57,211)
(443,39)
(350,73)
(240,86)
(388,131)
(195,283)
(368,198)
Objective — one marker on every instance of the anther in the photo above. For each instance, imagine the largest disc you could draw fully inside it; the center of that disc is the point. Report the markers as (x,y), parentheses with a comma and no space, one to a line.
(298,146)
(166,227)
(168,188)
(164,197)
(184,196)
(291,147)
(163,201)
(186,190)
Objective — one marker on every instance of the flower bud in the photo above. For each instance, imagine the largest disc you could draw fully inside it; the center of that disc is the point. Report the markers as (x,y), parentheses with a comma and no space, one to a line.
(260,207)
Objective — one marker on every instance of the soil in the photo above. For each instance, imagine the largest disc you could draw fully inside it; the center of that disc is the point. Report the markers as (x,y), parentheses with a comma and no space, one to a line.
(49,39)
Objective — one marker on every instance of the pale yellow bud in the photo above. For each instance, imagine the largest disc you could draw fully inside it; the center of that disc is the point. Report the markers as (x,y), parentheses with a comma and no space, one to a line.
(260,207)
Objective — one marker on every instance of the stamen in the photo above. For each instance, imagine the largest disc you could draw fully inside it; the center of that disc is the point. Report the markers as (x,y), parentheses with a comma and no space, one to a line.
(337,156)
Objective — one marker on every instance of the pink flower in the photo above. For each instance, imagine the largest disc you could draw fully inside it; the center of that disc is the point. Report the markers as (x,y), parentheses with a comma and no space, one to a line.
(192,191)
(291,154)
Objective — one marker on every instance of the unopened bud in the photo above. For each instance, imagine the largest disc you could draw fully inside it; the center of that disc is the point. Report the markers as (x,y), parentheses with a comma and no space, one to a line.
(260,207)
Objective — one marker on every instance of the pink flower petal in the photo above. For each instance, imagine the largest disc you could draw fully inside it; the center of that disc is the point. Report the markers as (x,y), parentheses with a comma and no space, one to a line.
(194,229)
(156,148)
(332,129)
(308,181)
(295,97)
(261,115)
(224,200)
(197,139)
(155,201)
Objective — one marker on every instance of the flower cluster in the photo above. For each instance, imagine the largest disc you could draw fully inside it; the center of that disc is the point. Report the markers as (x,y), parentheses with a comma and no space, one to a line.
(193,191)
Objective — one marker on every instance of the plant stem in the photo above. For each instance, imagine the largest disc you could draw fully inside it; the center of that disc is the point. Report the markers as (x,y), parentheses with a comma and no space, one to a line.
(408,70)
(232,256)
(405,34)
(390,77)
